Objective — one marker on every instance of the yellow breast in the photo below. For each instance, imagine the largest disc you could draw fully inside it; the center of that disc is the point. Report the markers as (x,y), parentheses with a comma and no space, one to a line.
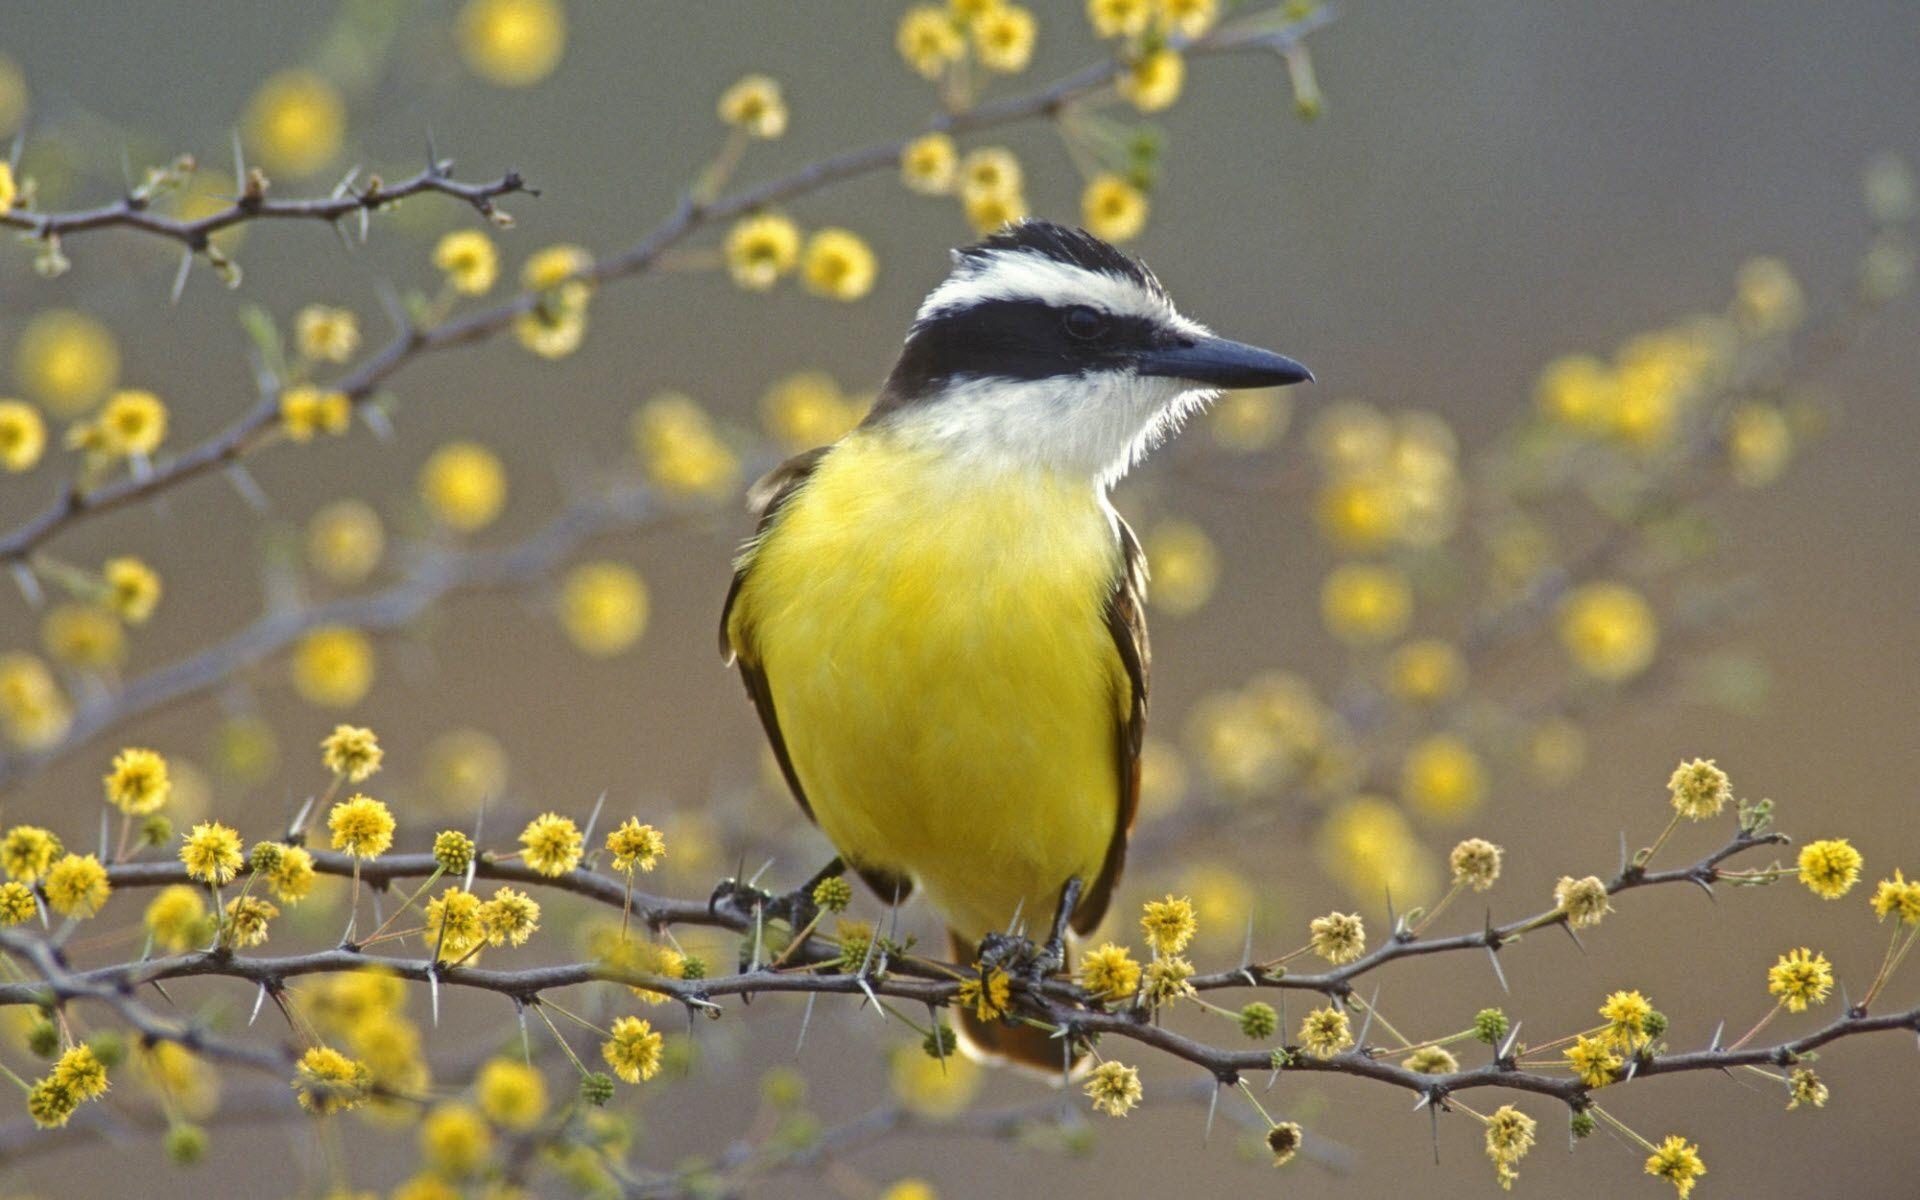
(936,646)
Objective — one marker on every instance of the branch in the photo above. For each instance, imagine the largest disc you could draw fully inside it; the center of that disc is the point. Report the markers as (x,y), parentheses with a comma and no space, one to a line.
(73,506)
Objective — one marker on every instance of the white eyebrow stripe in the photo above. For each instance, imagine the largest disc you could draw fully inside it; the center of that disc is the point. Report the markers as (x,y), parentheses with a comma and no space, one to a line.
(1027,275)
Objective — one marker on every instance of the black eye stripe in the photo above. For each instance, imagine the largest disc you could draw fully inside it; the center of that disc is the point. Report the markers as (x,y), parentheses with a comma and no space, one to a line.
(1011,339)
(1084,322)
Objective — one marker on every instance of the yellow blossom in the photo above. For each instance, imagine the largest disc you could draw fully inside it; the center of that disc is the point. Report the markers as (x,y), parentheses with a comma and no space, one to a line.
(1338,937)
(510,917)
(295,123)
(1169,924)
(1899,897)
(176,919)
(80,1069)
(762,249)
(76,886)
(512,43)
(361,826)
(838,265)
(211,852)
(1800,978)
(1441,778)
(1368,846)
(326,334)
(1168,977)
(1626,1014)
(1593,1061)
(33,711)
(1119,18)
(8,189)
(1830,867)
(50,1103)
(1475,863)
(987,994)
(551,844)
(138,783)
(634,1049)
(990,171)
(333,666)
(1426,671)
(1186,567)
(1114,1088)
(1759,441)
(1583,900)
(1152,82)
(1283,1142)
(27,851)
(1699,789)
(807,409)
(512,1094)
(556,324)
(1109,973)
(755,105)
(1677,1161)
(988,211)
(66,360)
(1608,630)
(1767,298)
(603,607)
(1325,1032)
(910,1189)
(930,164)
(455,1140)
(453,924)
(133,588)
(351,752)
(133,422)
(308,411)
(345,541)
(1804,1087)
(680,450)
(84,635)
(928,40)
(635,845)
(1189,18)
(1249,420)
(23,435)
(1361,512)
(247,920)
(1509,1137)
(291,875)
(466,767)
(1113,208)
(17,905)
(468,260)
(463,486)
(1364,604)
(327,1081)
(1003,38)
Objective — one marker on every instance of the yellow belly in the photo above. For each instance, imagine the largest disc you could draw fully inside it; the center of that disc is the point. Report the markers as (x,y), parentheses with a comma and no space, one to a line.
(937,651)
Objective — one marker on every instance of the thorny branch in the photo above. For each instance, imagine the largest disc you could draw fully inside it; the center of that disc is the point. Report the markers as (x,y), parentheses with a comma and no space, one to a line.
(226,448)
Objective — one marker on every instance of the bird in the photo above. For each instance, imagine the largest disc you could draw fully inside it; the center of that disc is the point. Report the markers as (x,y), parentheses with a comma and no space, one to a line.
(941,618)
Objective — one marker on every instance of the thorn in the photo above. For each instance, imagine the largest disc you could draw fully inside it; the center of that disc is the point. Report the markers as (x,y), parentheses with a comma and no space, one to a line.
(377,420)
(29,584)
(1246,950)
(1513,1039)
(239,160)
(1426,1098)
(1704,886)
(249,489)
(180,277)
(1433,1120)
(1493,956)
(1213,1105)
(365,217)
(104,836)
(764,867)
(433,155)
(868,989)
(300,818)
(395,308)
(1713,1043)
(1393,921)
(806,1019)
(258,1000)
(1576,937)
(433,984)
(1625,858)
(1360,1039)
(594,818)
(1633,1068)
(526,1040)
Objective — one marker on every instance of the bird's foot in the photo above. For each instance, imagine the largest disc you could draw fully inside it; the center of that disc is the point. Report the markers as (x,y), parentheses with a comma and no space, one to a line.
(797,909)
(1021,957)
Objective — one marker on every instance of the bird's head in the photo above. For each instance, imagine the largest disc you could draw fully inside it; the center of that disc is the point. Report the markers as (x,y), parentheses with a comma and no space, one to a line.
(1048,347)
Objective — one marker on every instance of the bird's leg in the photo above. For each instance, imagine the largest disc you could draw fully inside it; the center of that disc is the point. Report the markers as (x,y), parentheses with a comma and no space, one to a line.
(1053,955)
(796,907)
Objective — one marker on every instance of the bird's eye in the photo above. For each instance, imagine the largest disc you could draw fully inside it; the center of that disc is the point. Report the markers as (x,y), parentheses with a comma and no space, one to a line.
(1084,323)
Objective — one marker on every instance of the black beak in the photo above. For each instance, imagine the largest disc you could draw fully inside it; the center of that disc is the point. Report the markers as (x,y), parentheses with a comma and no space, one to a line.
(1217,362)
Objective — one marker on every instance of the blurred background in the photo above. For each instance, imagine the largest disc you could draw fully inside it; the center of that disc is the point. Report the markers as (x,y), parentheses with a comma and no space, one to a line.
(1489,187)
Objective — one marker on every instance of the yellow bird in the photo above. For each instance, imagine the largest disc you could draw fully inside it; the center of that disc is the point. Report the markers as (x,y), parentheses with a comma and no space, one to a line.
(941,619)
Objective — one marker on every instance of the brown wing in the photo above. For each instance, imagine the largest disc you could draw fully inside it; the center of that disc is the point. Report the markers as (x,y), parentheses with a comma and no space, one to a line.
(1127,622)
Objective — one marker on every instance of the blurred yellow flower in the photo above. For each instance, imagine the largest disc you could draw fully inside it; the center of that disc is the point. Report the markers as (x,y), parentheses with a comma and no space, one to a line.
(1352,436)
(327,1081)
(1119,18)
(23,435)
(177,921)
(929,164)
(1577,391)
(1366,845)
(1189,18)
(1767,298)
(352,752)
(807,409)
(1557,751)
(603,607)
(455,1140)
(132,423)
(34,713)
(755,105)
(1364,604)
(1163,779)
(928,40)
(463,486)
(345,541)
(1759,443)
(295,123)
(679,449)
(1426,671)
(326,334)
(512,43)
(465,768)
(1442,778)
(333,666)
(1360,513)
(1003,38)
(761,249)
(1248,420)
(936,1088)
(1113,209)
(83,635)
(988,211)
(990,170)
(556,324)
(1608,630)
(138,784)
(838,265)
(306,412)
(8,189)
(1152,82)
(554,266)
(66,360)
(469,261)
(1185,567)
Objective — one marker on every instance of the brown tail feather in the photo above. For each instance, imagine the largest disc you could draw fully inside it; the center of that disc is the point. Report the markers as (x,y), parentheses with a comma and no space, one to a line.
(996,1041)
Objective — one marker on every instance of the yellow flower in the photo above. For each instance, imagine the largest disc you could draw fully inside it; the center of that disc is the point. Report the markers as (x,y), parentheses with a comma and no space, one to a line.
(66,360)
(990,171)
(176,919)
(308,411)
(634,1049)
(211,852)
(1189,18)
(468,260)
(50,1103)
(1678,1162)
(466,767)
(928,40)
(1361,512)
(76,886)
(1364,604)
(8,189)
(512,43)
(988,211)
(326,334)
(291,874)
(133,589)
(929,164)
(327,1081)
(82,1071)
(755,105)
(1325,1032)
(247,920)
(133,422)
(1431,1060)
(1767,298)
(603,607)
(351,752)
(1249,420)
(17,905)
(453,924)
(1113,209)
(677,445)
(455,1140)
(1169,924)
(1368,846)
(1152,82)
(1003,38)
(838,265)
(333,666)
(33,711)
(556,267)
(1583,900)
(910,1189)
(1898,896)
(513,1095)
(1593,1061)
(1109,973)
(1186,567)
(463,486)
(1114,1088)
(987,994)
(138,783)
(1700,789)
(1338,937)
(1804,1087)
(1608,630)
(361,826)
(556,324)
(761,249)
(510,918)
(1475,863)
(807,409)
(552,844)
(1509,1137)
(1759,443)
(295,123)
(1426,671)
(1442,778)
(1283,1142)
(345,541)
(1166,979)
(934,1087)
(27,851)
(635,845)
(1800,978)
(83,635)
(23,435)
(1119,18)
(1830,867)
(1626,1015)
